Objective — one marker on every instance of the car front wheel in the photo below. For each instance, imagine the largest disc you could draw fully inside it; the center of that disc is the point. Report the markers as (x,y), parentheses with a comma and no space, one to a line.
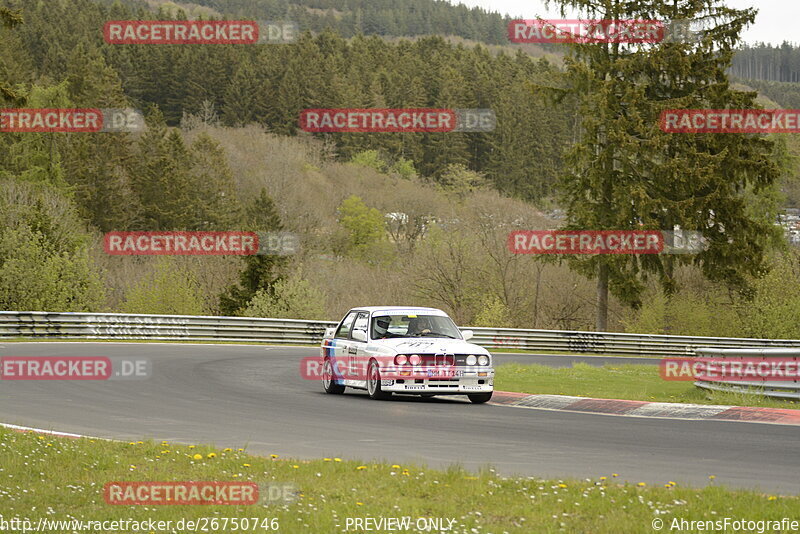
(374,382)
(480,398)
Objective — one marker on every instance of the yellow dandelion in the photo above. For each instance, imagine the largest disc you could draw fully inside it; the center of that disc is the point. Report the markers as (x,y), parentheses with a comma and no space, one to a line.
(164,444)
(671,483)
(245,465)
(273,456)
(191,446)
(212,455)
(235,476)
(614,475)
(140,442)
(641,484)
(198,456)
(667,486)
(131,443)
(240,450)
(562,485)
(603,478)
(42,437)
(326,459)
(772,498)
(164,452)
(295,467)
(337,459)
(712,477)
(360,503)
(133,467)
(395,466)
(361,467)
(227,450)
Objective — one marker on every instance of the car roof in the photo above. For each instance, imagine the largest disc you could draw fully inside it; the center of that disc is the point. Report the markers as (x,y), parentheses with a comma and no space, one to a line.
(399,310)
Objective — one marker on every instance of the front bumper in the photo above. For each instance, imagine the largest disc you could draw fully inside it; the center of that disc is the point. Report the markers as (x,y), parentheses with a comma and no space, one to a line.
(470,380)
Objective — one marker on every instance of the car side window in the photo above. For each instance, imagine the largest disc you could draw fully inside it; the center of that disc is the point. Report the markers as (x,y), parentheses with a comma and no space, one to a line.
(344,330)
(361,322)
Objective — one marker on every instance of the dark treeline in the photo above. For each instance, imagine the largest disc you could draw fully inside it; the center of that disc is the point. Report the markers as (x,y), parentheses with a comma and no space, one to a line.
(271,84)
(768,63)
(369,17)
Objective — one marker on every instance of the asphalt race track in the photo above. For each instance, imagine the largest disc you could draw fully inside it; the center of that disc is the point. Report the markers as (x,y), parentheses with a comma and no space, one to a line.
(231,396)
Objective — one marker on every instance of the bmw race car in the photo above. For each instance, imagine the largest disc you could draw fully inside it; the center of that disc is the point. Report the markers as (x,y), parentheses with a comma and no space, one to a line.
(404,350)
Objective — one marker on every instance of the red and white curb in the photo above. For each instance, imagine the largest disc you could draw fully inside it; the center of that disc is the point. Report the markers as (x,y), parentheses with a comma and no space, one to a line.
(664,410)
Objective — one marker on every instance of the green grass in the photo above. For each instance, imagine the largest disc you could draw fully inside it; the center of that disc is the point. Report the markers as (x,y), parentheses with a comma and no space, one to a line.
(60,479)
(618,381)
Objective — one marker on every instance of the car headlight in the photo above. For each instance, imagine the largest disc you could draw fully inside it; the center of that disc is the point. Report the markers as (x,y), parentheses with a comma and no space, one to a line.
(483,360)
(400,359)
(414,359)
(472,359)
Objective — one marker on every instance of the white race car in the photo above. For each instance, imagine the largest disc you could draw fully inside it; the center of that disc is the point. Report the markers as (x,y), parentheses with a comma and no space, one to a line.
(411,351)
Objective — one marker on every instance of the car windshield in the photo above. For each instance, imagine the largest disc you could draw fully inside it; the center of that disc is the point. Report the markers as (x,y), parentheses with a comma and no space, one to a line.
(392,326)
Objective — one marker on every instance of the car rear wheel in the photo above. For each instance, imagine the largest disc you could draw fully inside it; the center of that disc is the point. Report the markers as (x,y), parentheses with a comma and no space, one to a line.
(480,398)
(374,382)
(328,381)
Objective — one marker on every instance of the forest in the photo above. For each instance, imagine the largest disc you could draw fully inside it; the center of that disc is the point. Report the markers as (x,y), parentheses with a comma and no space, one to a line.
(223,151)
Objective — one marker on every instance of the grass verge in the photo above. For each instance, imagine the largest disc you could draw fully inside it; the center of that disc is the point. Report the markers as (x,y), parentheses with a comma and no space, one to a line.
(623,381)
(62,479)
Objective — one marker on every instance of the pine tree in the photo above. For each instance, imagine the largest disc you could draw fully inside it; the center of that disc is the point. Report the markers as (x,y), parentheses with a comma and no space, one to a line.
(624,173)
(261,272)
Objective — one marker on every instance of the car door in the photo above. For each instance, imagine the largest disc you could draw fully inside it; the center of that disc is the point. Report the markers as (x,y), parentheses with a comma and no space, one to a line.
(341,344)
(356,351)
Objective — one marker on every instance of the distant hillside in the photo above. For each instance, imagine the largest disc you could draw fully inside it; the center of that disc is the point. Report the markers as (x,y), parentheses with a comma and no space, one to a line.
(370,17)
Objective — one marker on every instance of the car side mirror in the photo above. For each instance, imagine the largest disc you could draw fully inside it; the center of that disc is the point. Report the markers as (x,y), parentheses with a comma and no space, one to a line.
(359,335)
(467,334)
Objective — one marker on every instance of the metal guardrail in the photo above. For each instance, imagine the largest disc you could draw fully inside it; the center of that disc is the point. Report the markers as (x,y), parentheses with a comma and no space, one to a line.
(780,389)
(46,325)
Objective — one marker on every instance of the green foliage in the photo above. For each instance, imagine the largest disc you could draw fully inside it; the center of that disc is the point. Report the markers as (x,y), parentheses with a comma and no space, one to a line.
(686,313)
(365,226)
(370,159)
(458,179)
(291,298)
(8,19)
(165,289)
(404,168)
(775,309)
(493,313)
(262,271)
(36,277)
(626,173)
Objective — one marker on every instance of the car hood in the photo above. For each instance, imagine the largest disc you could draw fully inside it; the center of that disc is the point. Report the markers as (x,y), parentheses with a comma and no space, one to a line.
(430,346)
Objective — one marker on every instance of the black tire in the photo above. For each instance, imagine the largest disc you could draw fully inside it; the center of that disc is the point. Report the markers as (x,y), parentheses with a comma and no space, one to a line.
(374,383)
(480,398)
(328,382)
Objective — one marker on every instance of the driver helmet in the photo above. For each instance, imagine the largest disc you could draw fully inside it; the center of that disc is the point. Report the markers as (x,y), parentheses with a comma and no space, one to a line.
(381,326)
